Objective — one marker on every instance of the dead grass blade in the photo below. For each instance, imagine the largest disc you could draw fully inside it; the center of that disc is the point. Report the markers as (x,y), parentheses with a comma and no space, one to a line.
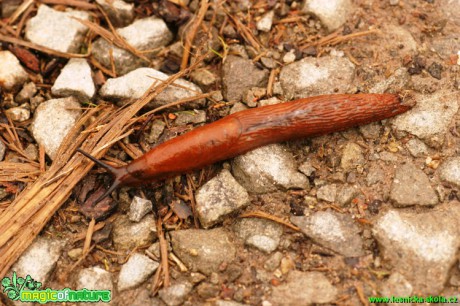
(264,215)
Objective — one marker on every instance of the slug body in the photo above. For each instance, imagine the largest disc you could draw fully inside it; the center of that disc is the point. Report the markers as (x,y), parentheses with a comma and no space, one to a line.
(246,130)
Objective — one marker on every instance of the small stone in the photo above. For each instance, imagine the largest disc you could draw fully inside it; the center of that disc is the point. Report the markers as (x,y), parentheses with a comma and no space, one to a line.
(139,208)
(327,193)
(218,198)
(265,23)
(238,107)
(253,95)
(135,271)
(396,285)
(57,30)
(176,293)
(289,57)
(332,13)
(39,259)
(52,121)
(128,235)
(352,156)
(186,117)
(307,169)
(95,278)
(207,290)
(27,92)
(416,147)
(346,194)
(273,261)
(394,2)
(120,13)
(203,77)
(156,130)
(2,150)
(332,230)
(411,186)
(75,80)
(375,175)
(371,131)
(268,62)
(75,254)
(19,114)
(12,75)
(267,168)
(262,234)
(35,102)
(270,101)
(449,171)
(203,250)
(435,70)
(304,288)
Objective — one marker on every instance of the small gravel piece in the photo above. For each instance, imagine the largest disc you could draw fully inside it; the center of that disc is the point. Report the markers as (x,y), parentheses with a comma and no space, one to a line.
(352,156)
(262,234)
(128,235)
(18,114)
(175,294)
(57,30)
(449,171)
(332,230)
(139,208)
(186,117)
(267,168)
(136,271)
(203,250)
(39,259)
(52,121)
(75,80)
(316,76)
(417,148)
(265,23)
(27,92)
(219,197)
(411,186)
(304,288)
(327,193)
(120,13)
(203,77)
(332,13)
(396,285)
(95,278)
(12,75)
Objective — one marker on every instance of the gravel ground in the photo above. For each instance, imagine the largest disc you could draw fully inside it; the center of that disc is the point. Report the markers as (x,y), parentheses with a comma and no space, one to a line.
(336,219)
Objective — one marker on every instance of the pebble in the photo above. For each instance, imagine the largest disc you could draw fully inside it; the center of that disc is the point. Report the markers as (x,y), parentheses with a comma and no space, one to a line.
(186,117)
(52,121)
(139,208)
(239,75)
(327,193)
(75,254)
(120,13)
(345,194)
(338,232)
(12,74)
(411,186)
(136,271)
(219,197)
(57,30)
(203,78)
(27,92)
(416,147)
(375,175)
(75,80)
(203,250)
(396,82)
(307,169)
(128,235)
(39,259)
(332,13)
(238,107)
(396,285)
(143,34)
(415,243)
(262,234)
(450,171)
(267,168)
(429,120)
(265,23)
(315,76)
(18,114)
(95,278)
(134,84)
(304,288)
(175,294)
(2,150)
(289,57)
(352,156)
(273,262)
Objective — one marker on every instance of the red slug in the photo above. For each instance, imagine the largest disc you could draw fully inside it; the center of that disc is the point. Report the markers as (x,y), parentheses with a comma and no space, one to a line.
(246,130)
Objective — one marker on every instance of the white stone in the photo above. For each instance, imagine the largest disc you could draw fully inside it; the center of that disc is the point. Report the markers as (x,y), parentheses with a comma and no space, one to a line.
(12,75)
(265,23)
(75,80)
(134,272)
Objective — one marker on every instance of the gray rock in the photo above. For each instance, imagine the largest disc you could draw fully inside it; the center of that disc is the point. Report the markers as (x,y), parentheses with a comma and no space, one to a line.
(416,147)
(95,278)
(304,288)
(18,114)
(419,246)
(134,84)
(352,156)
(273,261)
(315,76)
(267,168)
(128,235)
(265,23)
(27,92)
(12,75)
(39,259)
(396,285)
(139,208)
(375,175)
(240,75)
(143,34)
(371,131)
(429,120)
(345,194)
(388,157)
(270,101)
(57,30)
(156,130)
(332,230)
(143,298)
(120,13)
(2,150)
(450,171)
(411,186)
(75,80)
(203,77)
(307,169)
(203,250)
(52,121)
(176,293)
(327,193)
(185,117)
(262,234)
(333,13)
(219,197)
(135,271)
(396,82)
(238,107)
